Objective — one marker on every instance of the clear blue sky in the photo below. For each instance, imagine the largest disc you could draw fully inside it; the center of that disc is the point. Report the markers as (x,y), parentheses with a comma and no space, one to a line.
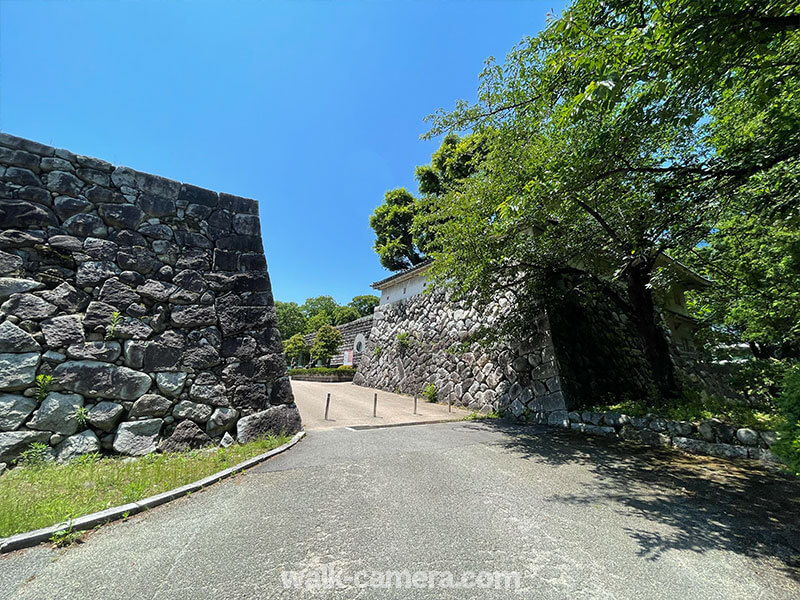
(313,108)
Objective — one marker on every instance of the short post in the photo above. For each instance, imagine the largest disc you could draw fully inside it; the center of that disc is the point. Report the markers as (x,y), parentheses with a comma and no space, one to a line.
(415,404)
(449,405)
(375,405)
(327,405)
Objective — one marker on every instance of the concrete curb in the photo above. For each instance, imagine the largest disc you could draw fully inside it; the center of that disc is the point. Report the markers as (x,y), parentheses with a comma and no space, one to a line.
(32,538)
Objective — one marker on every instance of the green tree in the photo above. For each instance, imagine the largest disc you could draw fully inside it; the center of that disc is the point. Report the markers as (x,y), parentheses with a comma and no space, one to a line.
(609,143)
(365,304)
(317,305)
(345,314)
(319,320)
(756,262)
(392,222)
(326,344)
(295,348)
(291,319)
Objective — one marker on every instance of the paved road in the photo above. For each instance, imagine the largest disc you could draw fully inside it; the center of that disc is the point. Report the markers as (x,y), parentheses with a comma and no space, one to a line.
(351,406)
(578,518)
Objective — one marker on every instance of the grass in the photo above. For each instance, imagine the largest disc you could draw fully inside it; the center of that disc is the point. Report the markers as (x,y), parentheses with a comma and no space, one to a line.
(46,493)
(700,410)
(479,416)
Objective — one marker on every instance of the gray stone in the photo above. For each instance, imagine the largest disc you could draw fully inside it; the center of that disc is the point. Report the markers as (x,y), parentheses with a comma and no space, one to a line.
(118,294)
(123,216)
(58,413)
(100,249)
(100,351)
(211,393)
(272,421)
(706,429)
(151,405)
(66,243)
(574,416)
(63,182)
(14,409)
(14,339)
(63,331)
(226,442)
(593,429)
(137,438)
(171,384)
(9,263)
(679,428)
(187,436)
(193,316)
(95,379)
(86,225)
(192,410)
(67,298)
(769,437)
(746,436)
(159,291)
(222,419)
(615,419)
(105,415)
(14,443)
(82,443)
(15,285)
(94,272)
(28,307)
(18,371)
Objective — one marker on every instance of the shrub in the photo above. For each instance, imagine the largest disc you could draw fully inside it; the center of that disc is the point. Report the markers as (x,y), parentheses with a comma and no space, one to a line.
(295,348)
(82,415)
(403,341)
(788,445)
(376,352)
(36,455)
(430,393)
(343,370)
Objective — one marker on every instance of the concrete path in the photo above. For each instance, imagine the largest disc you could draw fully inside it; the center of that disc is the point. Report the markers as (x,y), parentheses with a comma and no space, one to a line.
(576,517)
(351,406)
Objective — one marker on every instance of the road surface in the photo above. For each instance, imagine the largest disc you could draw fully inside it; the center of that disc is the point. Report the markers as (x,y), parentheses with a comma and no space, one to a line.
(351,406)
(575,517)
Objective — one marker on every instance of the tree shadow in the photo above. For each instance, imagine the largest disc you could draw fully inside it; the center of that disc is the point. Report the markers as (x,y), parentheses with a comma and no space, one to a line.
(707,503)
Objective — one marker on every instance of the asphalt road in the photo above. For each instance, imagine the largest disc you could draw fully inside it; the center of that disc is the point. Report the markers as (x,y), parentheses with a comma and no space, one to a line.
(576,517)
(352,406)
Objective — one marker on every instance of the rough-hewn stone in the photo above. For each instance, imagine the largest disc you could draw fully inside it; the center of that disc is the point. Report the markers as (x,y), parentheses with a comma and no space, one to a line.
(58,413)
(187,435)
(14,410)
(137,438)
(85,442)
(14,443)
(272,421)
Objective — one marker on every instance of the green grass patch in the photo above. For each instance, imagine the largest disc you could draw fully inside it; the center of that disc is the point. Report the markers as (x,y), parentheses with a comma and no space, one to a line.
(700,410)
(479,416)
(46,493)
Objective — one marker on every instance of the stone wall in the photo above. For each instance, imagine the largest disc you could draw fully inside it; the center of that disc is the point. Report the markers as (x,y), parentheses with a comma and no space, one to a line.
(517,377)
(350,331)
(711,437)
(147,302)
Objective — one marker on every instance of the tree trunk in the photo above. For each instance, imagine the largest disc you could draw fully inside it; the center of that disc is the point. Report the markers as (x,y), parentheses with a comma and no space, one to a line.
(656,346)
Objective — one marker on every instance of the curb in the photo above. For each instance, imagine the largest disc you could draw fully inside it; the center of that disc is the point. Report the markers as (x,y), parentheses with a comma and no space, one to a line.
(32,538)
(409,424)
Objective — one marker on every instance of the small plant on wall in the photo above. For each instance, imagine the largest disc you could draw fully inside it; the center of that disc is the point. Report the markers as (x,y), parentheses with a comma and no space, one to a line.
(403,341)
(111,331)
(43,386)
(430,393)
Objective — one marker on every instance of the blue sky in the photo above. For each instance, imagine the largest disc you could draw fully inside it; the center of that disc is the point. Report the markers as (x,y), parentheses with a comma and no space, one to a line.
(313,108)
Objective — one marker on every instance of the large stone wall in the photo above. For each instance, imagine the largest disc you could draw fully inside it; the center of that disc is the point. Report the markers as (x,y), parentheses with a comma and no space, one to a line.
(146,300)
(520,377)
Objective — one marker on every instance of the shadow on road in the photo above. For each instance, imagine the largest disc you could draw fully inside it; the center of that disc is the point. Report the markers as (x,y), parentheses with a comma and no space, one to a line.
(709,503)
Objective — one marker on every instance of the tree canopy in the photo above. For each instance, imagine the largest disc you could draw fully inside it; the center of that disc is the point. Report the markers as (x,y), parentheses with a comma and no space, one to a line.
(326,344)
(365,304)
(295,348)
(624,130)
